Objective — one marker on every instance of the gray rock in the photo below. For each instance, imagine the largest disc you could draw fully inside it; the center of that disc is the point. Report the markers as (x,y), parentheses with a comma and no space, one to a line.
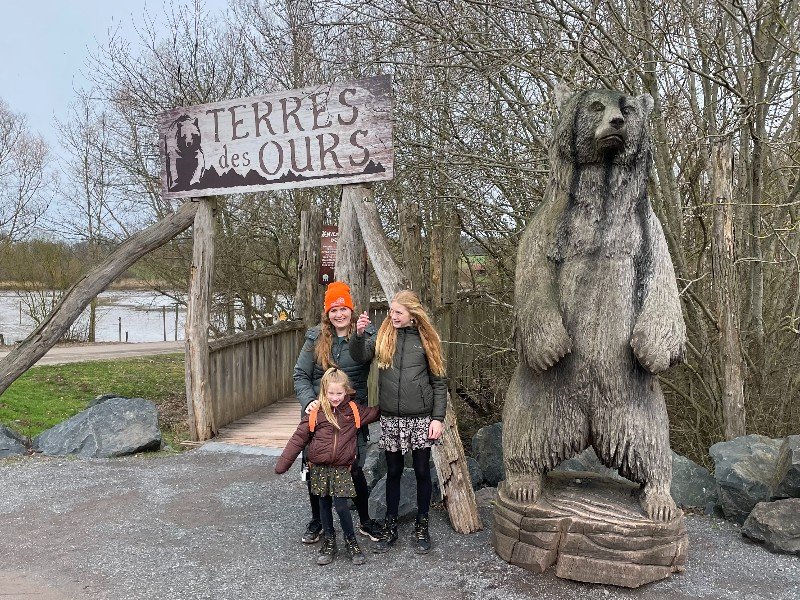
(487,448)
(374,463)
(744,468)
(588,461)
(11,443)
(408,495)
(786,481)
(692,484)
(115,427)
(777,524)
(102,398)
(475,472)
(485,496)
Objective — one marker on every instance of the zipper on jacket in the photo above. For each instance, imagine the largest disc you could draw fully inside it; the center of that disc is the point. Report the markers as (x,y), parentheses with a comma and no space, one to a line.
(400,371)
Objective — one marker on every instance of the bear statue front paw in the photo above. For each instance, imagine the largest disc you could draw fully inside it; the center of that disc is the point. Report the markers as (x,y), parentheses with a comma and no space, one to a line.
(655,353)
(658,506)
(542,344)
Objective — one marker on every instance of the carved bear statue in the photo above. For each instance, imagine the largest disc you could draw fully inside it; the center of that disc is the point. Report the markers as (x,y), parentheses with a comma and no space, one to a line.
(597,310)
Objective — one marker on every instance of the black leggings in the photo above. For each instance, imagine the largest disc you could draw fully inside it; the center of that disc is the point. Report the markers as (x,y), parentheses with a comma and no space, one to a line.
(394,472)
(326,503)
(361,500)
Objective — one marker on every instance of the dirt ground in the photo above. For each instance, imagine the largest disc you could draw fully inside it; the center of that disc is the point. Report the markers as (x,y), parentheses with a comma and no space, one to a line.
(221,525)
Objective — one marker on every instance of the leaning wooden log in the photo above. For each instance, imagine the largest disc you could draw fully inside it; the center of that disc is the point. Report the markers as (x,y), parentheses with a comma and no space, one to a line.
(198,367)
(78,297)
(448,457)
(390,276)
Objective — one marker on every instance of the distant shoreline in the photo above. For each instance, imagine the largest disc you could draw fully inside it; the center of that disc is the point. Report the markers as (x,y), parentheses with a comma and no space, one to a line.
(123,285)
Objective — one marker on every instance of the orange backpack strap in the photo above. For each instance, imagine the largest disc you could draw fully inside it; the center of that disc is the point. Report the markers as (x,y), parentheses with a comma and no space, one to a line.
(356,414)
(312,419)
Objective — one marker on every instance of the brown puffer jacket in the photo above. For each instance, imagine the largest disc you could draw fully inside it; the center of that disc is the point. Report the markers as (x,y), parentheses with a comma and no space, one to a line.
(327,445)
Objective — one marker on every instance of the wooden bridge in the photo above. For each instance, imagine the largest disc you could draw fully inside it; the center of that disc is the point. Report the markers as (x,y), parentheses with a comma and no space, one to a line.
(270,427)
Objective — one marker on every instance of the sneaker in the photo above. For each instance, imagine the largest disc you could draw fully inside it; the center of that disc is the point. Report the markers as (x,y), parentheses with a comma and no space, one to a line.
(422,536)
(388,536)
(328,550)
(370,529)
(313,531)
(354,551)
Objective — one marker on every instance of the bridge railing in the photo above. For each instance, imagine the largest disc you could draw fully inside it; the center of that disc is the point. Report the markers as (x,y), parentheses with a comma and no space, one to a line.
(253,369)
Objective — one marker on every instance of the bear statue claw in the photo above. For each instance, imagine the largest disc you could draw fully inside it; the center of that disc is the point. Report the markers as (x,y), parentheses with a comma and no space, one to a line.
(522,490)
(658,506)
(543,349)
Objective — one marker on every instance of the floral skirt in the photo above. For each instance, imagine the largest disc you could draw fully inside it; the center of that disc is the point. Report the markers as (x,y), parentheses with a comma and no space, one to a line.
(332,481)
(403,434)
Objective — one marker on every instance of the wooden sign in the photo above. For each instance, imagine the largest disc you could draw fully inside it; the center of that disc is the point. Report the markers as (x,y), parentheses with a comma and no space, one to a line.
(328,134)
(327,266)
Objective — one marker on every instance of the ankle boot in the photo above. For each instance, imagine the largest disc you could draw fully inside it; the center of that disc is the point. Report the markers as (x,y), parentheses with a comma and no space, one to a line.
(328,549)
(388,535)
(354,551)
(423,538)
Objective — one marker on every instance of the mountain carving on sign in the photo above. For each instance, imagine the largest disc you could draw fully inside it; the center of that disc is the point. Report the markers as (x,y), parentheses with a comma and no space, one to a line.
(231,178)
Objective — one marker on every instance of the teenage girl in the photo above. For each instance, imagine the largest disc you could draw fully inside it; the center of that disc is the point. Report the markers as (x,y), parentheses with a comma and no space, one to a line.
(413,400)
(331,454)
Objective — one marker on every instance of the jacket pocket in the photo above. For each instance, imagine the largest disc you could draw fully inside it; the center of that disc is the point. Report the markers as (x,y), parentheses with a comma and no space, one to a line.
(426,395)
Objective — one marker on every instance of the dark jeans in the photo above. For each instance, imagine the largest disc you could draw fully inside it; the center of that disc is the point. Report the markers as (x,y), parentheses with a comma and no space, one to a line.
(326,503)
(422,470)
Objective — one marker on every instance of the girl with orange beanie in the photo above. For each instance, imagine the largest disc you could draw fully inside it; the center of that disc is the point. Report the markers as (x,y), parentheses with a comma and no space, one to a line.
(325,346)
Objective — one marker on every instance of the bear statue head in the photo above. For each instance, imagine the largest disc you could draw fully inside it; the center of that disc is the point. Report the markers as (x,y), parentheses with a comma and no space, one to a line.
(602,127)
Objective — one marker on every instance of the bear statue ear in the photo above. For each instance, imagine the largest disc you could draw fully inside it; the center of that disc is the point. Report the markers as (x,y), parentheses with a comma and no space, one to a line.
(646,101)
(197,125)
(562,93)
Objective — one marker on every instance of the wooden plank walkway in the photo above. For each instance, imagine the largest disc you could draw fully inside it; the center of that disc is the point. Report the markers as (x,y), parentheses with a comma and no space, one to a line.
(270,427)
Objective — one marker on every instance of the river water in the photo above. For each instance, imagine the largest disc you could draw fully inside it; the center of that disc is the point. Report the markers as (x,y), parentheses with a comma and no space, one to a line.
(135,316)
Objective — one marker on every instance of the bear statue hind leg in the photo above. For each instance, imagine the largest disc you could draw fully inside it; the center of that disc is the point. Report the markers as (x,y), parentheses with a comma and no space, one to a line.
(657,504)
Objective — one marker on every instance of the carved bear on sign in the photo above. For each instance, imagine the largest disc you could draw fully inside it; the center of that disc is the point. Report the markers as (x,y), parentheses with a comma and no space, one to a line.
(184,155)
(597,310)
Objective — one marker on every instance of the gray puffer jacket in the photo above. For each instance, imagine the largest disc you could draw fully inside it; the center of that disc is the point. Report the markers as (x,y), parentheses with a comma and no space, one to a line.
(308,373)
(408,388)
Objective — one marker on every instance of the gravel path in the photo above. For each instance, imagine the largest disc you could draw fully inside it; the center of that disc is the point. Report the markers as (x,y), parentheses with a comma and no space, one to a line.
(219,526)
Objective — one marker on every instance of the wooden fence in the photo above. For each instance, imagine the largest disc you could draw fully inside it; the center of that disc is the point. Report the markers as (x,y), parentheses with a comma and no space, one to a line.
(253,369)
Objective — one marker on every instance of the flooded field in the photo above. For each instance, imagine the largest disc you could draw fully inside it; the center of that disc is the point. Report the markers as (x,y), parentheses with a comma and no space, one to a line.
(135,316)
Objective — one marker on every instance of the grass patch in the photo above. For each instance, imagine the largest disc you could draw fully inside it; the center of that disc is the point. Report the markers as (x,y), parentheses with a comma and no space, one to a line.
(44,396)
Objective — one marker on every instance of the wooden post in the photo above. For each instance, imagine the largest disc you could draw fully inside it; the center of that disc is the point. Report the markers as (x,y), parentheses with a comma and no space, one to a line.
(414,257)
(198,394)
(307,302)
(448,457)
(726,291)
(77,298)
(351,261)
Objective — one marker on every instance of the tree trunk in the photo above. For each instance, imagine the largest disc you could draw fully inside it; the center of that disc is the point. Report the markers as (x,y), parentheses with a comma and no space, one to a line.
(81,294)
(198,392)
(307,305)
(726,291)
(389,275)
(413,253)
(351,261)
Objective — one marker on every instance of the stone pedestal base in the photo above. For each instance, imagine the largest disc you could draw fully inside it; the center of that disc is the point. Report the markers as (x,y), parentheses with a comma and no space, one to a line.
(593,529)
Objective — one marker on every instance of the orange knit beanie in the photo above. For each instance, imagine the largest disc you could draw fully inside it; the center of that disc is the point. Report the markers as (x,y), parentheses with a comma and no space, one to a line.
(338,294)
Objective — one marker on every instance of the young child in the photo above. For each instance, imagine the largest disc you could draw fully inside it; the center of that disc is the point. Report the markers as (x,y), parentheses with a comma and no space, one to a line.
(330,433)
(413,400)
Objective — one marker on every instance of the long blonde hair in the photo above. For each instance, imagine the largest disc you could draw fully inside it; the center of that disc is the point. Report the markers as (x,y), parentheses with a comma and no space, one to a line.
(431,342)
(332,375)
(322,348)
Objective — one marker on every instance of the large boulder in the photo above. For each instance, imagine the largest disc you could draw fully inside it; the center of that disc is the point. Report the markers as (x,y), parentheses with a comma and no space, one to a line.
(487,448)
(786,481)
(744,469)
(777,524)
(11,443)
(408,495)
(475,472)
(692,484)
(114,427)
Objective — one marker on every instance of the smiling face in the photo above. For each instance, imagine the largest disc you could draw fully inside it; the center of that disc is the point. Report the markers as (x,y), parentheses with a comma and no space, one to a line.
(340,317)
(399,315)
(335,393)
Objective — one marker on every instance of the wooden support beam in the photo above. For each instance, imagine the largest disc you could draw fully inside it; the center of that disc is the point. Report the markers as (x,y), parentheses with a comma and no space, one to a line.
(198,390)
(351,261)
(78,297)
(308,299)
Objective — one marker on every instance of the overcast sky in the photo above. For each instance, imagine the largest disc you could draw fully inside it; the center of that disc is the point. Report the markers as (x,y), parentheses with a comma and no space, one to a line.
(45,46)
